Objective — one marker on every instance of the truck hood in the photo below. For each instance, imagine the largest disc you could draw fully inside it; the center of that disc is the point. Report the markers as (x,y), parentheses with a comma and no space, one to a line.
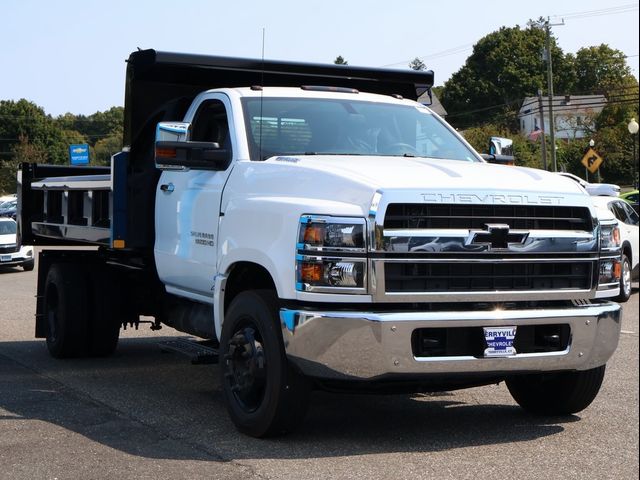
(419,173)
(324,182)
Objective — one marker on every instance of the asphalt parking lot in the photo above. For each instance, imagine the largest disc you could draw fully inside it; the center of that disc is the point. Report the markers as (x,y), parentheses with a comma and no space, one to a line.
(146,414)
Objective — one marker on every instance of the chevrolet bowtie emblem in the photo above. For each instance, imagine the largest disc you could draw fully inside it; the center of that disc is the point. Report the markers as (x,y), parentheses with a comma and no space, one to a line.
(496,237)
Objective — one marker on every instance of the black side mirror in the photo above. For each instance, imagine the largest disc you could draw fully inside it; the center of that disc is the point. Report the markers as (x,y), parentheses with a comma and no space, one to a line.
(195,155)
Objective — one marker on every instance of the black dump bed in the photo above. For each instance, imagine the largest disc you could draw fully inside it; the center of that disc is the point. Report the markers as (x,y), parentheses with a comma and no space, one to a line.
(160,86)
(155,79)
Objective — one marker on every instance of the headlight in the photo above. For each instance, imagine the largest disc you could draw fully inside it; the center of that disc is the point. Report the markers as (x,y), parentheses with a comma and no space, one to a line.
(331,234)
(610,267)
(609,237)
(321,264)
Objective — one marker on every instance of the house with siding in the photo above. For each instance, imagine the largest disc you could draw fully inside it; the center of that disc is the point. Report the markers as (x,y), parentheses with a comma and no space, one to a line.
(573,115)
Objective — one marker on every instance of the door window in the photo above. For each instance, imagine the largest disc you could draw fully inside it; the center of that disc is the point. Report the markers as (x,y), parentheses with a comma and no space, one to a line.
(210,124)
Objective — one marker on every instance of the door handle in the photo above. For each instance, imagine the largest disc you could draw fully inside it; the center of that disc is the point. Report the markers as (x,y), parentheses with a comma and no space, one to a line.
(167,187)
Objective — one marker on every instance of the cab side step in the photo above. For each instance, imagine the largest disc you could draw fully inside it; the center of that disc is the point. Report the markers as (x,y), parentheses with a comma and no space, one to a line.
(200,352)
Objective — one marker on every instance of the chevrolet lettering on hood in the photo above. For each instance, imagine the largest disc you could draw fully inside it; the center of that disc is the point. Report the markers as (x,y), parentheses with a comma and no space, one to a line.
(493,199)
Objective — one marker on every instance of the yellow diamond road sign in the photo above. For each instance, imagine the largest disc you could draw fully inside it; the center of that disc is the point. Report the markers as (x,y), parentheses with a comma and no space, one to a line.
(592,160)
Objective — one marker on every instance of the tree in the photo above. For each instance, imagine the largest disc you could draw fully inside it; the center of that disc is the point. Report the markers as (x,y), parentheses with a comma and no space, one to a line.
(25,120)
(340,61)
(613,141)
(600,70)
(525,152)
(417,64)
(104,148)
(95,126)
(22,151)
(505,67)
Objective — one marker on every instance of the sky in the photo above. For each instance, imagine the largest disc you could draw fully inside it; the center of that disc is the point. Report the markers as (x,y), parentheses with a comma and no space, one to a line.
(69,55)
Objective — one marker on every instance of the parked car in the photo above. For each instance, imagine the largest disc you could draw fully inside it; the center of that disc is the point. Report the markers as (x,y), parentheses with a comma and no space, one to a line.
(10,253)
(6,198)
(594,189)
(8,209)
(628,223)
(631,198)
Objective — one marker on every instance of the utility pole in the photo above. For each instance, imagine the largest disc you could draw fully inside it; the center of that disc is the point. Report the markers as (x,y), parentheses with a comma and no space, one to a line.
(544,140)
(552,128)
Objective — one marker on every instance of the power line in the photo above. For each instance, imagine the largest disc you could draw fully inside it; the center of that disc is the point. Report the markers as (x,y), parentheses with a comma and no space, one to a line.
(572,16)
(443,53)
(600,12)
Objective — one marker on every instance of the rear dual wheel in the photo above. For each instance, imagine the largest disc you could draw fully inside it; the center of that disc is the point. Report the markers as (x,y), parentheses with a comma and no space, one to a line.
(265,396)
(79,313)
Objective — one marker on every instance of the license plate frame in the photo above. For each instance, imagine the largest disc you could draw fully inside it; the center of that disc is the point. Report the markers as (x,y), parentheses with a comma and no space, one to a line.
(500,341)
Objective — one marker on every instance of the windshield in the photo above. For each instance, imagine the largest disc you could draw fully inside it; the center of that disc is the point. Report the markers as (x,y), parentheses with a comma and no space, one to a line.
(310,126)
(7,228)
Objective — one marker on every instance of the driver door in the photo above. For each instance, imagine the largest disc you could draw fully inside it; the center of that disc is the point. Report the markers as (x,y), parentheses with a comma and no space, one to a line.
(188,211)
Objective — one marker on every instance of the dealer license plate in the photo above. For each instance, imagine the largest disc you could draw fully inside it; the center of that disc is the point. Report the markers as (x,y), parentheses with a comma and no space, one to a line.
(499,341)
(5,258)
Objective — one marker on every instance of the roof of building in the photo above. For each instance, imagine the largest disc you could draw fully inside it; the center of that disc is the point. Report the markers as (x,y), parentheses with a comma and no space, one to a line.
(436,106)
(565,102)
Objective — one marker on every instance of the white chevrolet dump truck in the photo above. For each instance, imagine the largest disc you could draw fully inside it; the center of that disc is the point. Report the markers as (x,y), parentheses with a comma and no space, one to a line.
(317,227)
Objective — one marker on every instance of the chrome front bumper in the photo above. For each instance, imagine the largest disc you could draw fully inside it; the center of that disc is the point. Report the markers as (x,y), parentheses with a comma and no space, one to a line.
(345,345)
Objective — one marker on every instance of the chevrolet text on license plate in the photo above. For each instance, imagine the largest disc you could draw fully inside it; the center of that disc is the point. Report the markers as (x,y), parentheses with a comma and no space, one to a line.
(499,341)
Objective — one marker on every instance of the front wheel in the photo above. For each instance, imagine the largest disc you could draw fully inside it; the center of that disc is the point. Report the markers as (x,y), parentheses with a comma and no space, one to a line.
(563,393)
(625,280)
(265,396)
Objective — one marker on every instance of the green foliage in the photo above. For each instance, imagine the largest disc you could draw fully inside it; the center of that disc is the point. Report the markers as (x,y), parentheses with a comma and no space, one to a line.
(505,67)
(106,147)
(417,64)
(28,134)
(600,69)
(93,127)
(340,61)
(526,153)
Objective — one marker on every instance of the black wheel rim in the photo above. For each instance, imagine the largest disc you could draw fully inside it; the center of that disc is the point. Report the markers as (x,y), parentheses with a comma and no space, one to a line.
(246,367)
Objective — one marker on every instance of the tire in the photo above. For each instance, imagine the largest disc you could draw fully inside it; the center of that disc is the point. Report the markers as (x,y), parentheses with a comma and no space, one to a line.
(556,393)
(81,319)
(263,393)
(28,266)
(65,310)
(625,280)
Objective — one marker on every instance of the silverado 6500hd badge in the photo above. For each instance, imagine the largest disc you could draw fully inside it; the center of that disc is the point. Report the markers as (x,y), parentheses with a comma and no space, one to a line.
(499,341)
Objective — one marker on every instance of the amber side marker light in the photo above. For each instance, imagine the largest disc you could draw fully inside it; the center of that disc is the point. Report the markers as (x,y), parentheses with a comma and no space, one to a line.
(166,152)
(314,234)
(617,270)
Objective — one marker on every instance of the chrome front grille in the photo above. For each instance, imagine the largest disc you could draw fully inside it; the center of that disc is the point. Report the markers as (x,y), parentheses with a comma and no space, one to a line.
(487,276)
(442,252)
(453,216)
